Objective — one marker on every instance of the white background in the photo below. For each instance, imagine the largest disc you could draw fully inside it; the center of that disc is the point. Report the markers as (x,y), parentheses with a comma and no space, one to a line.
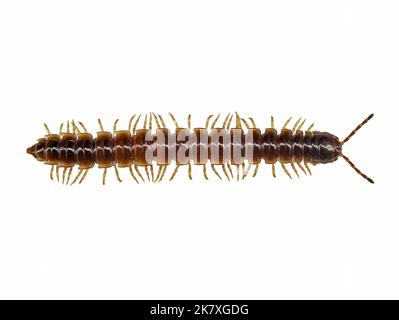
(332,235)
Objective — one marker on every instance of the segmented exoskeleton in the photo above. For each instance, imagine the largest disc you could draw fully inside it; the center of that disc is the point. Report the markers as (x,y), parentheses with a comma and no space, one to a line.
(241,145)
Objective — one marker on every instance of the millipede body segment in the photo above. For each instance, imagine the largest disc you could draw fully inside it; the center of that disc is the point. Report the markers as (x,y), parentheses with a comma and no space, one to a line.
(238,145)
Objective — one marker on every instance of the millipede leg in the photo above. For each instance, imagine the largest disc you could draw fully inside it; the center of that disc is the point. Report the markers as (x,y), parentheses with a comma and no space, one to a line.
(238,172)
(163,173)
(296,125)
(174,120)
(152,172)
(160,168)
(189,171)
(162,122)
(231,171)
(57,173)
(117,173)
(136,123)
(300,167)
(238,121)
(145,122)
(252,122)
(273,170)
(100,125)
(104,176)
(156,120)
(84,176)
(61,127)
(285,170)
(247,171)
(147,173)
(150,127)
(215,171)
(63,174)
(229,123)
(244,171)
(46,127)
(77,176)
(207,121)
(78,131)
(75,128)
(83,126)
(256,170)
(215,121)
(293,167)
(174,172)
(51,172)
(132,174)
(189,121)
(310,128)
(300,126)
(204,172)
(307,168)
(129,128)
(272,122)
(69,175)
(139,173)
(245,123)
(115,124)
(225,171)
(225,121)
(287,122)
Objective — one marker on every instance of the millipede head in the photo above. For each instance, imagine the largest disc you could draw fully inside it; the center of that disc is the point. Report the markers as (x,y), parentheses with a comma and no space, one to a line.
(330,147)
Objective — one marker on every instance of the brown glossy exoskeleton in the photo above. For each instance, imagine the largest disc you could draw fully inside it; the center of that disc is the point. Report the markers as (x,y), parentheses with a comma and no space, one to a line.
(242,146)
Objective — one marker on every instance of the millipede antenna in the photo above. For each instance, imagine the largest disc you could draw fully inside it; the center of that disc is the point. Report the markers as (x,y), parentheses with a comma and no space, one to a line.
(356,169)
(357,129)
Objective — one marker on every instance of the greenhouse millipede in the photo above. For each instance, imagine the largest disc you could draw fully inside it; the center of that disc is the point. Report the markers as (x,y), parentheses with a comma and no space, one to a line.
(232,149)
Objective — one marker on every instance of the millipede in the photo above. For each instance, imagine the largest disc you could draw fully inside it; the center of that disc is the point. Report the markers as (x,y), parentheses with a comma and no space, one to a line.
(148,150)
